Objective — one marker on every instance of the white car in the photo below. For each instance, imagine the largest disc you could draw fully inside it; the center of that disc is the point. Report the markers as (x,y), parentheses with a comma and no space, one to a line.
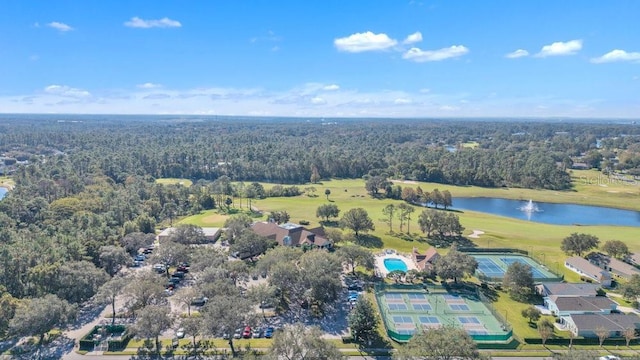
(609,357)
(180,333)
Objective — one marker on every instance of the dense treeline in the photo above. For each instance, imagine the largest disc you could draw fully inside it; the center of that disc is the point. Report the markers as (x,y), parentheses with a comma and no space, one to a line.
(509,154)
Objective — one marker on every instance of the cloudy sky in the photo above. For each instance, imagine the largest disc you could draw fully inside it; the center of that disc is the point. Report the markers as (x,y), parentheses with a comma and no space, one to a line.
(383,58)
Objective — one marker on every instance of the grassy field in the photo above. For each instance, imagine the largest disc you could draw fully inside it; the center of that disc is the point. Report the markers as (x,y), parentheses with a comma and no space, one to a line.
(173,181)
(541,240)
(7,182)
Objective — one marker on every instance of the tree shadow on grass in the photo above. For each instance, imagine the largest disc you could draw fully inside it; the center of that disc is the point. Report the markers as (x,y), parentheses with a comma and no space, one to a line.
(330,223)
(441,241)
(377,343)
(490,293)
(369,241)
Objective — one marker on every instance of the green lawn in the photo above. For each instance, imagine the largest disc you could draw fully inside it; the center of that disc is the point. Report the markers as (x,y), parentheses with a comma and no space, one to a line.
(470,144)
(7,182)
(174,181)
(207,218)
(541,240)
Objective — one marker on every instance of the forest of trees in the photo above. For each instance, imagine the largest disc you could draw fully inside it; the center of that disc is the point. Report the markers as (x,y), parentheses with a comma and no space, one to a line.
(292,152)
(86,189)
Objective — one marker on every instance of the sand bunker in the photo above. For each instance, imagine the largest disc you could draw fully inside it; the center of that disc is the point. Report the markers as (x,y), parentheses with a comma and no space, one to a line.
(476,234)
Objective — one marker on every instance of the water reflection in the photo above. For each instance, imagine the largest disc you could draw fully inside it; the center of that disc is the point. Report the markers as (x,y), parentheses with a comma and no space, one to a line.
(549,213)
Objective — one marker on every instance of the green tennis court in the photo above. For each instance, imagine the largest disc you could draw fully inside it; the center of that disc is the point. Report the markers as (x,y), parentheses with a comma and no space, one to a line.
(407,310)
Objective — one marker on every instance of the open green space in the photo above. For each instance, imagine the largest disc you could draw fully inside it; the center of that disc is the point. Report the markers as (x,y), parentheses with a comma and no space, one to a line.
(542,241)
(174,181)
(470,144)
(7,182)
(207,218)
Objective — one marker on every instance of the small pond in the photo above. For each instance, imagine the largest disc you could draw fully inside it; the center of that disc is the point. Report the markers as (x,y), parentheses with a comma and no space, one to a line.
(549,213)
(3,192)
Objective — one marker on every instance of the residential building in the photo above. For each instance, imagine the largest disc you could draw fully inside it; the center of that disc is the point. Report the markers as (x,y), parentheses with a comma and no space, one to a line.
(425,261)
(563,306)
(588,270)
(567,289)
(617,267)
(291,234)
(588,325)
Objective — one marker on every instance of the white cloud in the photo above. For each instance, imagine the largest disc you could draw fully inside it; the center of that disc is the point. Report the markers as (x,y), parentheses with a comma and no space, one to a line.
(402,101)
(561,48)
(418,55)
(413,38)
(517,54)
(366,41)
(318,101)
(66,91)
(306,99)
(148,86)
(332,87)
(425,91)
(58,26)
(165,22)
(617,55)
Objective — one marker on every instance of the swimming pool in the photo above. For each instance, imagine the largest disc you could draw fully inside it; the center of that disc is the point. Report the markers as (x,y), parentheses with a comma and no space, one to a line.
(395,264)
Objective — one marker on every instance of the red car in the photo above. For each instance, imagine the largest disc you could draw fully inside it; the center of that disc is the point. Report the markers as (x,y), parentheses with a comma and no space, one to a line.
(247,332)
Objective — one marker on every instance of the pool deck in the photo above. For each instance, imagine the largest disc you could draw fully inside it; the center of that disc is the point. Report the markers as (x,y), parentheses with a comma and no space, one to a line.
(382,270)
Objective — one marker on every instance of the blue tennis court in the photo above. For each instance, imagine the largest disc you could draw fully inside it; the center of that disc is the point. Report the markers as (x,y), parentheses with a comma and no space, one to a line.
(494,266)
(397,307)
(468,320)
(489,267)
(428,320)
(417,296)
(459,307)
(400,319)
(421,307)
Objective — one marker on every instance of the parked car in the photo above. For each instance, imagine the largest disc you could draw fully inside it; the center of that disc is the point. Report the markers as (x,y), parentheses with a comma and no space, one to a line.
(178,274)
(159,268)
(247,332)
(180,333)
(268,332)
(199,301)
(237,334)
(140,257)
(609,357)
(256,333)
(265,305)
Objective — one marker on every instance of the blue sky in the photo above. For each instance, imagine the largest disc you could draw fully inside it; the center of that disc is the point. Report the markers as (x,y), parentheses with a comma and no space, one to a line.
(385,58)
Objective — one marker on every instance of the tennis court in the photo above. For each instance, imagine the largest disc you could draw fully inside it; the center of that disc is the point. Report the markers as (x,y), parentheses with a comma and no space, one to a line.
(494,266)
(406,312)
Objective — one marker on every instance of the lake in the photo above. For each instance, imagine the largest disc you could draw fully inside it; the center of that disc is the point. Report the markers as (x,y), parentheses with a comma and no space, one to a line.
(550,213)
(3,191)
